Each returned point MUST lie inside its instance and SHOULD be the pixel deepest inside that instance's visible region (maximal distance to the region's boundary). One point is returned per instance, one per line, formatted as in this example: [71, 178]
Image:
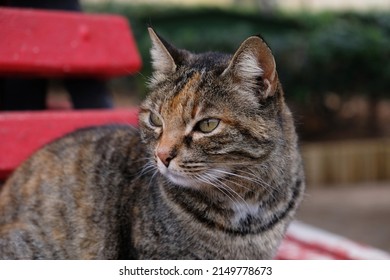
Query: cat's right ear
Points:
[254, 62]
[162, 54]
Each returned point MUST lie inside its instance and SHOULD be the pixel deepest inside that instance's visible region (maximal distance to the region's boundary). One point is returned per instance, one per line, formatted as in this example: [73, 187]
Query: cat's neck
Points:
[233, 210]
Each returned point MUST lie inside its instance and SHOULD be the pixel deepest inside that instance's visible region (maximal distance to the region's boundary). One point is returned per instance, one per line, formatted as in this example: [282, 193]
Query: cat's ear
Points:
[165, 57]
[162, 59]
[253, 66]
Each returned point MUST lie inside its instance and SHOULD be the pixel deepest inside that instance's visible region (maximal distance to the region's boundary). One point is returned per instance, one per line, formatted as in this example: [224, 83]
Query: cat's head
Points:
[209, 115]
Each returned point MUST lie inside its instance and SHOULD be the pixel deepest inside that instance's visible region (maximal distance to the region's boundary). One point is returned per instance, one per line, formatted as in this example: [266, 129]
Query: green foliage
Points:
[315, 53]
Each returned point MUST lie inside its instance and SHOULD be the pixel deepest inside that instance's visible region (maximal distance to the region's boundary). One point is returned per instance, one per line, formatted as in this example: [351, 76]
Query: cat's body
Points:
[213, 173]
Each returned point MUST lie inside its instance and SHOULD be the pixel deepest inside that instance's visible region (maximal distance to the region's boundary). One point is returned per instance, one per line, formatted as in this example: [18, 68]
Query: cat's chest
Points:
[214, 246]
[170, 238]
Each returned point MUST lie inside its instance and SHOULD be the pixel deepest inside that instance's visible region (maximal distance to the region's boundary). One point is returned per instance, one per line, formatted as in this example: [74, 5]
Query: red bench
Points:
[22, 133]
[42, 43]
[56, 43]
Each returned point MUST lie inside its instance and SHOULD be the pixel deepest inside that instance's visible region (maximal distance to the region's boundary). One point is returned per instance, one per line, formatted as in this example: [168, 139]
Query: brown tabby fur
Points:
[169, 190]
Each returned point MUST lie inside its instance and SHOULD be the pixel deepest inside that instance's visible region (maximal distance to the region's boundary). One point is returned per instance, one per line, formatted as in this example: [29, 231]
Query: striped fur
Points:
[175, 189]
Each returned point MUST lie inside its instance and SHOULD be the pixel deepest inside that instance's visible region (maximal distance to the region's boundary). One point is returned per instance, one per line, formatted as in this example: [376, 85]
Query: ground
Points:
[360, 212]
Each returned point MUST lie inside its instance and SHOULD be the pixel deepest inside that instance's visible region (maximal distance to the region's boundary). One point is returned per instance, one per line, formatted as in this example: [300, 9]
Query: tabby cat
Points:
[213, 172]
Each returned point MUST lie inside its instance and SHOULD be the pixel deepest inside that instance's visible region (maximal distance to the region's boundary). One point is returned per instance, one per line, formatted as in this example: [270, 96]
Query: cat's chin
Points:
[181, 180]
[175, 177]
[178, 179]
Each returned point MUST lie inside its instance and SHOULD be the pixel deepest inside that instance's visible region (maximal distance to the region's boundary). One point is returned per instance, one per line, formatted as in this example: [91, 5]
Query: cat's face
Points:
[208, 115]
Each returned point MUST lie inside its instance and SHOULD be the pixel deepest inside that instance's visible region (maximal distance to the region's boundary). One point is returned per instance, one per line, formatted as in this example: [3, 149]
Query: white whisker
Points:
[147, 168]
[221, 189]
[253, 179]
[237, 199]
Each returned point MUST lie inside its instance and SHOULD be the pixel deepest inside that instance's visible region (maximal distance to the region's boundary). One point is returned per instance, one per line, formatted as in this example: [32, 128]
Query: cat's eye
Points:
[207, 125]
[155, 120]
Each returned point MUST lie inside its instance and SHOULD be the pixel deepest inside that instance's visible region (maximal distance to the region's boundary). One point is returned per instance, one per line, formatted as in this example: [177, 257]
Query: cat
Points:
[213, 172]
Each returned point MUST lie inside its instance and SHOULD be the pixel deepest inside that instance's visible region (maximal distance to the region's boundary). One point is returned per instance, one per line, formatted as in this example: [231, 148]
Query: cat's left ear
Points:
[166, 58]
[253, 63]
[162, 60]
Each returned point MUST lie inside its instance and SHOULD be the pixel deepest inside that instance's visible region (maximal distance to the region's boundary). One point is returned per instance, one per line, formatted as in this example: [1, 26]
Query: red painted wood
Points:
[22, 133]
[57, 43]
[306, 242]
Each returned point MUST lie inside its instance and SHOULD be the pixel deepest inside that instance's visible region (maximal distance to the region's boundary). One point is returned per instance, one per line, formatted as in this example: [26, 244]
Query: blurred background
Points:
[333, 58]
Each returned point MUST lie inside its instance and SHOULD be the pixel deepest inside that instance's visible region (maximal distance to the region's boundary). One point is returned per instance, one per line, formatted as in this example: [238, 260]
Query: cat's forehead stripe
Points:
[185, 97]
[188, 88]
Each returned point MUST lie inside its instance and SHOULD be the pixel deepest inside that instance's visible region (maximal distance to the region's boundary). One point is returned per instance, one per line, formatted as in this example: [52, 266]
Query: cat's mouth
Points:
[181, 178]
[177, 177]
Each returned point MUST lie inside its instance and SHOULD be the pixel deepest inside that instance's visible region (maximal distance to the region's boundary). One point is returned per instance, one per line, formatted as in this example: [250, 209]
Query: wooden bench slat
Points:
[58, 43]
[22, 133]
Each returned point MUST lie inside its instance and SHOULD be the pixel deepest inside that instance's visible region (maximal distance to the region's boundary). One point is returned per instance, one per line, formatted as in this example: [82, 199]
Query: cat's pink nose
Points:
[165, 155]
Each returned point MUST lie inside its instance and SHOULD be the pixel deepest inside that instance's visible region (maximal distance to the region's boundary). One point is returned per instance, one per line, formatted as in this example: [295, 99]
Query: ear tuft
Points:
[248, 68]
[253, 62]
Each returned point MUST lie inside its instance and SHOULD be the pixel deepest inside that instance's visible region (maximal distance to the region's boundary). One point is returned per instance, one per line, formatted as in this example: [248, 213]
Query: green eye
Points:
[155, 120]
[208, 125]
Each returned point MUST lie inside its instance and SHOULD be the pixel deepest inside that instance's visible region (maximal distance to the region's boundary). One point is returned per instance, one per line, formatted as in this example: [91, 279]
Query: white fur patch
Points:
[243, 209]
[248, 67]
